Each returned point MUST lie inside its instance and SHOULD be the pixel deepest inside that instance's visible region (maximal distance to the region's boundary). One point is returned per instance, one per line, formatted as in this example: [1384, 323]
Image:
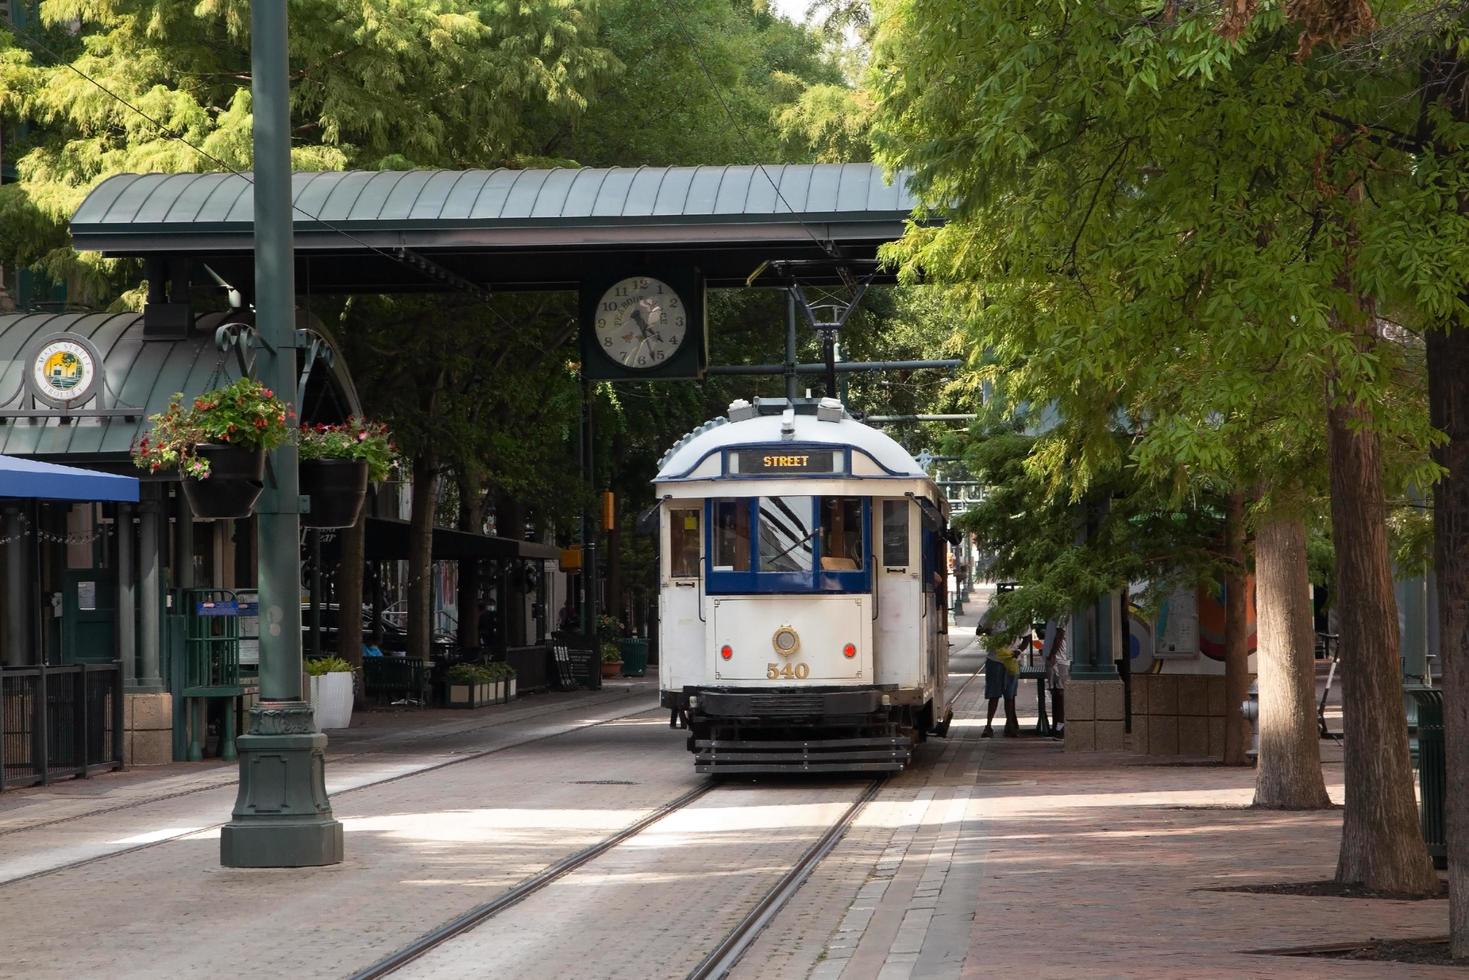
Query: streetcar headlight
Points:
[786, 641]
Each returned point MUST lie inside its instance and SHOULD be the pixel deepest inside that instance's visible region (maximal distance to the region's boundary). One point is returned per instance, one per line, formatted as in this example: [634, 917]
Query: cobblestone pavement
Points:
[989, 857]
[44, 828]
[997, 857]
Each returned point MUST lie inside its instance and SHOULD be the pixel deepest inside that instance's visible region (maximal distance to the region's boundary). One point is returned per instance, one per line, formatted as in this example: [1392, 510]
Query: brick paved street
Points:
[990, 857]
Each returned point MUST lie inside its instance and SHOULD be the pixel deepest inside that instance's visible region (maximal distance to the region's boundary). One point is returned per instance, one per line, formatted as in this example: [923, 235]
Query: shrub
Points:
[355, 439]
[611, 654]
[245, 414]
[327, 665]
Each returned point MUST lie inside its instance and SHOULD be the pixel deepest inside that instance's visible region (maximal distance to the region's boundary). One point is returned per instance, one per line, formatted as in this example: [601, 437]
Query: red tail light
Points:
[849, 651]
[726, 651]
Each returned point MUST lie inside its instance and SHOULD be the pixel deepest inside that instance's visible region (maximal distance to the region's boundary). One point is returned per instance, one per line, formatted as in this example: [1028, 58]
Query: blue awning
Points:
[34, 480]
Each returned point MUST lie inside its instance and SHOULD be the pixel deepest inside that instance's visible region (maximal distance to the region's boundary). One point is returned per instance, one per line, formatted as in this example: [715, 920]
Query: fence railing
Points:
[57, 722]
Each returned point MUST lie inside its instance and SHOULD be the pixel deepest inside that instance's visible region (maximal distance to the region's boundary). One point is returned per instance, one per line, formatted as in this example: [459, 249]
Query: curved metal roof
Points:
[539, 225]
[448, 198]
[139, 373]
[765, 430]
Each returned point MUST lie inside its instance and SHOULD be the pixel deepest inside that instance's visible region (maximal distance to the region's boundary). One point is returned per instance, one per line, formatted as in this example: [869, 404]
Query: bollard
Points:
[1250, 708]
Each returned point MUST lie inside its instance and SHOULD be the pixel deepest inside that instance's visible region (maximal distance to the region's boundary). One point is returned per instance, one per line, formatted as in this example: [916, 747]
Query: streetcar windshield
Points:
[841, 534]
[731, 535]
[787, 534]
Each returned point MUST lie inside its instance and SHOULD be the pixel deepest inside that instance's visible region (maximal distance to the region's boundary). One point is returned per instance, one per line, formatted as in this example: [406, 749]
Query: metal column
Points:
[127, 597]
[282, 817]
[17, 595]
[150, 598]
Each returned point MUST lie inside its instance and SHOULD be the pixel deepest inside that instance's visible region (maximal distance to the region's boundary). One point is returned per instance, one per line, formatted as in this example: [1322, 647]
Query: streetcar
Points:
[802, 612]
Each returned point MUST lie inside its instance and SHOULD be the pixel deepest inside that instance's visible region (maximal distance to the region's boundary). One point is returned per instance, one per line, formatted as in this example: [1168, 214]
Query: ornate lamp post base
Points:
[282, 817]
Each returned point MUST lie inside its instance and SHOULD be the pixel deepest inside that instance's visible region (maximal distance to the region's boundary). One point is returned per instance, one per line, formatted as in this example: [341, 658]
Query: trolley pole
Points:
[282, 817]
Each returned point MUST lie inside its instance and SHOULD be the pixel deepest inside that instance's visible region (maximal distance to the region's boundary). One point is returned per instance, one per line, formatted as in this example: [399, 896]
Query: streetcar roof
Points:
[772, 424]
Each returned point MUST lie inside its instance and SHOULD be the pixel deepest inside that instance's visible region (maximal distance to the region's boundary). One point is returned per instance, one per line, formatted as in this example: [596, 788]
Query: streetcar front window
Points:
[683, 543]
[895, 533]
[731, 535]
[841, 534]
[786, 534]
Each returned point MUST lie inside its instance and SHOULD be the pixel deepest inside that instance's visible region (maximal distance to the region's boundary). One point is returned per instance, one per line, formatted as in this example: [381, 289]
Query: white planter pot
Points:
[499, 690]
[331, 700]
[511, 683]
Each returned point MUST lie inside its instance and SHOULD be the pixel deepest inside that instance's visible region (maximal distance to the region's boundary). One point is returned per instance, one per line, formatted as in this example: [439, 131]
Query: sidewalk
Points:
[422, 736]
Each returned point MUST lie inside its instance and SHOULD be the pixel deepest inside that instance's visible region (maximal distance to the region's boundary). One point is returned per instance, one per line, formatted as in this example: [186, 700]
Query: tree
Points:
[1110, 178]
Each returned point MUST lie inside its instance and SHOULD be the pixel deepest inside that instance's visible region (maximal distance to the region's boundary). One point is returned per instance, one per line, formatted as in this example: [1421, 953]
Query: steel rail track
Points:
[82, 862]
[723, 957]
[475, 916]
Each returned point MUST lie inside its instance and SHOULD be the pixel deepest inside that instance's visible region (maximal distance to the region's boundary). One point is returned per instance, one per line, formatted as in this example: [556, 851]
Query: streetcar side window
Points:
[683, 543]
[787, 534]
[731, 535]
[841, 534]
[895, 533]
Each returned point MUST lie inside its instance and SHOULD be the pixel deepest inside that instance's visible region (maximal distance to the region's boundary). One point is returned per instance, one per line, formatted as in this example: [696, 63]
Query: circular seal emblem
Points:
[64, 370]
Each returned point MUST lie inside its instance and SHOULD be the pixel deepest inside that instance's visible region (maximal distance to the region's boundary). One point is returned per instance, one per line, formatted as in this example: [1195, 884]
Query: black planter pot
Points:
[236, 478]
[337, 488]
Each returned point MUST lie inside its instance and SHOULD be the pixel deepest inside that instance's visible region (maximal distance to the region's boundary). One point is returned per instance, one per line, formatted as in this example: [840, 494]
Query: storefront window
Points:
[731, 535]
[841, 534]
[786, 534]
[683, 543]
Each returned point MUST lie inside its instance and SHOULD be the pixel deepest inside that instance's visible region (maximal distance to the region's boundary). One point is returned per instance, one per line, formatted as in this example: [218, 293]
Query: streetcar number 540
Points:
[787, 672]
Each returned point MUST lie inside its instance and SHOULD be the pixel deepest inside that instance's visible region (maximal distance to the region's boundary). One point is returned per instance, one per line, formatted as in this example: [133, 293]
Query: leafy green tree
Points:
[1127, 190]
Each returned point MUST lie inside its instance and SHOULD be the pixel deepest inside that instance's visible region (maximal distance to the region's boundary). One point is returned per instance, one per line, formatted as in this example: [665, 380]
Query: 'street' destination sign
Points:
[754, 462]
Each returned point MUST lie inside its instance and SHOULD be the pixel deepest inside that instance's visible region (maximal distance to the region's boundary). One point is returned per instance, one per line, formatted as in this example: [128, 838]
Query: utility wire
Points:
[693, 49]
[167, 134]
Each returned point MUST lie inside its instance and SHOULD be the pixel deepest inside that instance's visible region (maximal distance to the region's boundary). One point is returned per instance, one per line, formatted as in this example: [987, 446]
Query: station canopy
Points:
[507, 229]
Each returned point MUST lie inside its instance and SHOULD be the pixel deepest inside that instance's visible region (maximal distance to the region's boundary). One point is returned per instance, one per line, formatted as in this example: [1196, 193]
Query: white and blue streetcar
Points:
[802, 613]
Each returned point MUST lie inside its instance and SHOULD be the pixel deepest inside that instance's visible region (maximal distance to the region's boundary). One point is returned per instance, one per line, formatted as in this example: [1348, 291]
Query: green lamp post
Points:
[282, 817]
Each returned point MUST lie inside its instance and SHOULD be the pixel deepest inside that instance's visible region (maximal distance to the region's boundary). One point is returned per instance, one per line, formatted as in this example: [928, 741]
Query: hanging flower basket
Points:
[235, 481]
[337, 461]
[337, 488]
[217, 445]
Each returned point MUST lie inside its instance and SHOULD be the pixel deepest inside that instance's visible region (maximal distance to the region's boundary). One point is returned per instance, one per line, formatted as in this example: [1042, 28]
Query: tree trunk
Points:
[349, 599]
[1289, 775]
[1236, 632]
[472, 521]
[512, 609]
[1381, 846]
[420, 558]
[1448, 406]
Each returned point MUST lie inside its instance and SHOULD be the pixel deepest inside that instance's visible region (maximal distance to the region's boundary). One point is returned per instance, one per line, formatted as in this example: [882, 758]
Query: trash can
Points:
[1432, 773]
[634, 656]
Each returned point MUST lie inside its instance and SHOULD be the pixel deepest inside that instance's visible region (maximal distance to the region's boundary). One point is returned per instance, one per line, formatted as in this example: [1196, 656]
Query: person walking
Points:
[1058, 669]
[1002, 681]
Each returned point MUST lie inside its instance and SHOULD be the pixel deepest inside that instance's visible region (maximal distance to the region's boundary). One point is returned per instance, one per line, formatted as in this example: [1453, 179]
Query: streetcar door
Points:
[680, 594]
[898, 594]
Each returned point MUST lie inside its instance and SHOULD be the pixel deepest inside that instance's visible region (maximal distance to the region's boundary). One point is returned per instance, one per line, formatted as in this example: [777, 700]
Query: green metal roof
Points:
[140, 373]
[733, 217]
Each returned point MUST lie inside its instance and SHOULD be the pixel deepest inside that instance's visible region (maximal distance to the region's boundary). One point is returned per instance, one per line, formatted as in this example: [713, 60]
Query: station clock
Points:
[644, 324]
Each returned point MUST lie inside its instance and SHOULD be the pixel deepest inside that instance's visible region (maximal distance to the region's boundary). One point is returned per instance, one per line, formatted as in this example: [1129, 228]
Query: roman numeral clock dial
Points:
[641, 323]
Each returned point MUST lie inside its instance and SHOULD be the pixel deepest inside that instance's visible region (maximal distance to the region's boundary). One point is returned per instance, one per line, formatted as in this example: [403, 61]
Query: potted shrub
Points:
[337, 461]
[611, 660]
[469, 686]
[218, 445]
[331, 692]
[507, 672]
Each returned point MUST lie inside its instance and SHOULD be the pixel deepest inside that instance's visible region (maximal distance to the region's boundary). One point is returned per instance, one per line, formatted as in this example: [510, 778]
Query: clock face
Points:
[641, 322]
